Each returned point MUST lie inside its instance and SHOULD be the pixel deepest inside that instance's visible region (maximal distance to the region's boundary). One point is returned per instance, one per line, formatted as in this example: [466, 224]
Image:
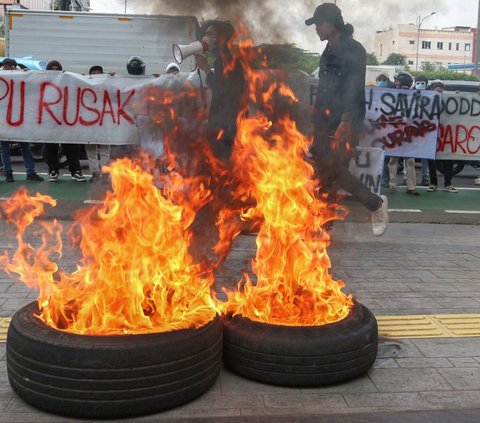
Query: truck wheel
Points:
[301, 355]
[109, 376]
[456, 168]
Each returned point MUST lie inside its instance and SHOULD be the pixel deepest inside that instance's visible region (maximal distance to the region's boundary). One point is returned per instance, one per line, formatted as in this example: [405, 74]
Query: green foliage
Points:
[288, 56]
[446, 74]
[428, 67]
[372, 59]
[395, 59]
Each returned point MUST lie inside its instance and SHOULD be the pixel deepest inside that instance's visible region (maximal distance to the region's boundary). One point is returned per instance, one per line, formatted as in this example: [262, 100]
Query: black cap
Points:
[9, 62]
[421, 78]
[326, 12]
[96, 68]
[53, 63]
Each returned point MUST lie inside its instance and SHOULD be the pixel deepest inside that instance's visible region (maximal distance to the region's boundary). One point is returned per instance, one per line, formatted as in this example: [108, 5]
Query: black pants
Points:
[72, 151]
[447, 167]
[332, 170]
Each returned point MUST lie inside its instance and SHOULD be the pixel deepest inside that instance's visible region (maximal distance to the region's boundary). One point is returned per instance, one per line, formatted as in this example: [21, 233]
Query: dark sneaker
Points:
[34, 176]
[412, 192]
[53, 176]
[78, 177]
[450, 188]
[425, 183]
[9, 178]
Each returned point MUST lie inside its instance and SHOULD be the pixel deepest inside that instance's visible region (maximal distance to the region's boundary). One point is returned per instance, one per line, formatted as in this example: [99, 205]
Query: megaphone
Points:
[182, 51]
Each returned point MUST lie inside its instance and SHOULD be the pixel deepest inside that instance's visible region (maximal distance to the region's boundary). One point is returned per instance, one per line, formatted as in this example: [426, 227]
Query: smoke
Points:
[282, 21]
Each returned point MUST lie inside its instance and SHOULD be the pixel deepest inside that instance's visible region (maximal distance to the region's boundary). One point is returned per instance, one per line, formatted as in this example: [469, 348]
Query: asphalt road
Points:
[438, 207]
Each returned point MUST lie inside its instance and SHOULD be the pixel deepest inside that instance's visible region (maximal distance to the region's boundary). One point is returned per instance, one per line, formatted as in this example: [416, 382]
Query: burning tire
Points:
[109, 376]
[302, 355]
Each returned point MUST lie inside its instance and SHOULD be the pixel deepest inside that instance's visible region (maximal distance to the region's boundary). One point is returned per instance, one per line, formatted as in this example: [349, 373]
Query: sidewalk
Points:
[414, 269]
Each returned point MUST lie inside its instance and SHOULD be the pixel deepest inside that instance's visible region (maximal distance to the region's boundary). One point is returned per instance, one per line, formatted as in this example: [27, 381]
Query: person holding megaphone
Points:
[228, 94]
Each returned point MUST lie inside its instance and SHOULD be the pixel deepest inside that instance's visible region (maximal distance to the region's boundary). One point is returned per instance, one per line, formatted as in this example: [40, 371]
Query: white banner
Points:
[402, 122]
[368, 167]
[65, 107]
[459, 134]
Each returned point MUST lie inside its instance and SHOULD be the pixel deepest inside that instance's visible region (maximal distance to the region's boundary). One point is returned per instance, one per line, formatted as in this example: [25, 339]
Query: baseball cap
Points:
[326, 12]
[96, 68]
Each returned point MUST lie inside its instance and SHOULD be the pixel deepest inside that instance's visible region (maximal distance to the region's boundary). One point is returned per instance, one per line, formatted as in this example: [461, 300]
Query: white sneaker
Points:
[380, 218]
[477, 180]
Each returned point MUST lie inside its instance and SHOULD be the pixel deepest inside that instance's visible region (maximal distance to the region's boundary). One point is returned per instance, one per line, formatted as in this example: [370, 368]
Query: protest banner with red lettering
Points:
[403, 122]
[66, 107]
[459, 134]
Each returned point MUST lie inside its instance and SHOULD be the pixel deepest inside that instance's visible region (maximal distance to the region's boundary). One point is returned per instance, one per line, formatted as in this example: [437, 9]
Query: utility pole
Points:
[477, 43]
[419, 25]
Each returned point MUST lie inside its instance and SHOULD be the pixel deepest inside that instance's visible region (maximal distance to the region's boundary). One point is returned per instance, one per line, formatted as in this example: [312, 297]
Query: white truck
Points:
[374, 71]
[79, 40]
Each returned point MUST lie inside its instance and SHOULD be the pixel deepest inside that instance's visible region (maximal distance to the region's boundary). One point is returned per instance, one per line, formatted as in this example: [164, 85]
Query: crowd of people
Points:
[98, 155]
[404, 80]
[337, 119]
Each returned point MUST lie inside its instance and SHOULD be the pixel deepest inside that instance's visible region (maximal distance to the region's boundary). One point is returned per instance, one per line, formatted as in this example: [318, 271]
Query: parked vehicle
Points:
[82, 39]
[462, 86]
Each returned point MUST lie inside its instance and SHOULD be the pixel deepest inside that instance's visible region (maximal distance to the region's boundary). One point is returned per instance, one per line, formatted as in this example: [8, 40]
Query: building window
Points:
[393, 42]
[440, 46]
[381, 50]
[458, 46]
[412, 42]
[449, 46]
[426, 45]
[410, 62]
[467, 47]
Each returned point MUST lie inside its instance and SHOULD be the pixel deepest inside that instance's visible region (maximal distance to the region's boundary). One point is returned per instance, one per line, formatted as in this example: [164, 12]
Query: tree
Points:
[372, 59]
[428, 67]
[446, 74]
[396, 59]
[288, 56]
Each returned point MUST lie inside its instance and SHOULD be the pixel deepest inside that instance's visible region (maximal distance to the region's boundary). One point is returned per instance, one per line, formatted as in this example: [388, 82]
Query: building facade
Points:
[440, 47]
[74, 5]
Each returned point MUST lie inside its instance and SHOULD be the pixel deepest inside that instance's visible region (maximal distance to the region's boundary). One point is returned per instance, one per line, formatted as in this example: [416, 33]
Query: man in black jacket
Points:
[227, 86]
[340, 109]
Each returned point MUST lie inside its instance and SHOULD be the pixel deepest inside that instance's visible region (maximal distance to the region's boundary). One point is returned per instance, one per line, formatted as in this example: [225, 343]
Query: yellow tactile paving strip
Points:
[412, 326]
[429, 326]
[4, 322]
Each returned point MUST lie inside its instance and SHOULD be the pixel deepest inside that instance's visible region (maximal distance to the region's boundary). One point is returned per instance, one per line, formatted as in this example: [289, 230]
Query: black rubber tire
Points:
[301, 355]
[456, 168]
[109, 376]
[475, 164]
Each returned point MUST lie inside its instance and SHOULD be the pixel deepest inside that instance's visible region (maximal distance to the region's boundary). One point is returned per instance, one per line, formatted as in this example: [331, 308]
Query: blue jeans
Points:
[26, 153]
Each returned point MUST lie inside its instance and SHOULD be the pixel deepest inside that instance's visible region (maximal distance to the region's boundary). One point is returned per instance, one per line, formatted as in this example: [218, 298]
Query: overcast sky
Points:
[281, 21]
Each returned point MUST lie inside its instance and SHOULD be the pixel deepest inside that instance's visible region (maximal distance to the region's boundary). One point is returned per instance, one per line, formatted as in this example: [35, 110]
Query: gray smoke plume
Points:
[282, 21]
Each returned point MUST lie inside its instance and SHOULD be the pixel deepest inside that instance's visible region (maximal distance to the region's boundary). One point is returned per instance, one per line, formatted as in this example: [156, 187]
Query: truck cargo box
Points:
[79, 40]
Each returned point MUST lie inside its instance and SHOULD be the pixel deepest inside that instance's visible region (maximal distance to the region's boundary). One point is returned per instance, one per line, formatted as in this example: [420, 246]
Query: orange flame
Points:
[135, 274]
[293, 286]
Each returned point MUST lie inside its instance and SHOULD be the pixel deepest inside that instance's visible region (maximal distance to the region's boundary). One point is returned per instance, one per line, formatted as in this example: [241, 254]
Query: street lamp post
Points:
[419, 25]
[477, 43]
